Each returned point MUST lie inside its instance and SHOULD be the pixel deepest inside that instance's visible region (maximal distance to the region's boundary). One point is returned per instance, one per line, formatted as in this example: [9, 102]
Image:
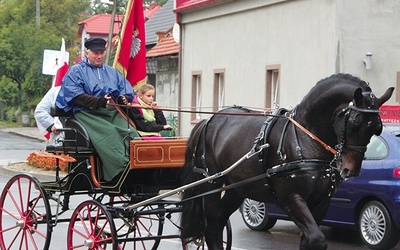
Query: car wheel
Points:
[376, 227]
[255, 215]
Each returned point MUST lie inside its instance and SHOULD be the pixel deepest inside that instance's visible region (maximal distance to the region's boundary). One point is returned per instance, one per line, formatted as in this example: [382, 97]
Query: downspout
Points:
[178, 21]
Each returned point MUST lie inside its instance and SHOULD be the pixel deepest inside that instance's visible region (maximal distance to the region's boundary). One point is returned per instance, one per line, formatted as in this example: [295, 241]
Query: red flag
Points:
[64, 66]
[60, 74]
[130, 58]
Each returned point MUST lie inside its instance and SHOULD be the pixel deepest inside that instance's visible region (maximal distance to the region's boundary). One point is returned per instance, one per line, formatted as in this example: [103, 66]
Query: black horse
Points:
[311, 148]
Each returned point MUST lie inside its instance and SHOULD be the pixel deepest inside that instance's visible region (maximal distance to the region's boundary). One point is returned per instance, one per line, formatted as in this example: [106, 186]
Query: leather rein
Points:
[291, 119]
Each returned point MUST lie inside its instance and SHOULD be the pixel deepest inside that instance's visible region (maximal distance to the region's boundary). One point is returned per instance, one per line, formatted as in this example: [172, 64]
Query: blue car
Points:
[369, 203]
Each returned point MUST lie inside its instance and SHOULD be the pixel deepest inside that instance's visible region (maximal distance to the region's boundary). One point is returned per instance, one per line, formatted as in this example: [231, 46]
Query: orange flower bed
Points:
[46, 162]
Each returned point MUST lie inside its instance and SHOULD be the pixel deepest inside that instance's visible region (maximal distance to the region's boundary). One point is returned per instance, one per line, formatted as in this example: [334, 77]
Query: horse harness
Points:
[300, 164]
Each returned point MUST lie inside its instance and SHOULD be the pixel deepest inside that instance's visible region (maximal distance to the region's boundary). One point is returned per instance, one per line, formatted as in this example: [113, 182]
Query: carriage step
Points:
[63, 157]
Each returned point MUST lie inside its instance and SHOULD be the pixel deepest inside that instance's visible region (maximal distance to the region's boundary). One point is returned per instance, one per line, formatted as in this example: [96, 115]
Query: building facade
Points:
[269, 53]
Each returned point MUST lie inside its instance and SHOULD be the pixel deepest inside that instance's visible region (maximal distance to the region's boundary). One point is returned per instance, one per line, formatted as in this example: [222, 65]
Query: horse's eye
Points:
[369, 124]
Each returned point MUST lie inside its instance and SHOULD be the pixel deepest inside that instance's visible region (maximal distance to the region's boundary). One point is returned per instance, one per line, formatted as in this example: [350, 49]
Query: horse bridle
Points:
[349, 124]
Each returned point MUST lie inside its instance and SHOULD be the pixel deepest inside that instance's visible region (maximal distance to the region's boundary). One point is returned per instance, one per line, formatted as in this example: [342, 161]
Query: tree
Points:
[104, 6]
[146, 3]
[101, 6]
[22, 45]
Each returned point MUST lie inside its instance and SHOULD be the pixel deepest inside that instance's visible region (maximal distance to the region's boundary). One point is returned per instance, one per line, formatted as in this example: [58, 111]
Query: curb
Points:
[6, 171]
[20, 132]
[27, 136]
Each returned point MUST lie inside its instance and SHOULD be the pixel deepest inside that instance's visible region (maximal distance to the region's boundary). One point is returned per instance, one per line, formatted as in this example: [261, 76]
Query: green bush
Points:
[12, 114]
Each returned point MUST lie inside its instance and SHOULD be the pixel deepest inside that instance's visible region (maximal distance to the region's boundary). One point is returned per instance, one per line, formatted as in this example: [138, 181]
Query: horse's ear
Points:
[358, 97]
[385, 96]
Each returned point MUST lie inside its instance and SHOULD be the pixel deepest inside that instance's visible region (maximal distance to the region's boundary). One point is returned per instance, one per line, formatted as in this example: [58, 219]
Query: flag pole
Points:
[126, 17]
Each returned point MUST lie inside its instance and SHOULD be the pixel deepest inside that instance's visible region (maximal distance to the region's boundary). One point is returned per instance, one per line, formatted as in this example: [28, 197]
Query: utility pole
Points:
[38, 14]
[111, 32]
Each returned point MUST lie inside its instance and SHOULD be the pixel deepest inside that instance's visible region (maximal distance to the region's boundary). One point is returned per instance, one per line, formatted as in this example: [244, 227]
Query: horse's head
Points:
[354, 126]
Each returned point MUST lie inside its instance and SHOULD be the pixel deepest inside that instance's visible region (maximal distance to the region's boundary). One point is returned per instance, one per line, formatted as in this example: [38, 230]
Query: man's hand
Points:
[108, 97]
[124, 100]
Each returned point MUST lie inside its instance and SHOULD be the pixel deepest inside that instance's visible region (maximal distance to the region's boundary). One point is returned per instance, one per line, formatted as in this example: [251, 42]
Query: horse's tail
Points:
[192, 219]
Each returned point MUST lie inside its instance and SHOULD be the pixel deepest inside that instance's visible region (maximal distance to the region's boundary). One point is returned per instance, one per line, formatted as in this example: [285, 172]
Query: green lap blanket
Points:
[109, 133]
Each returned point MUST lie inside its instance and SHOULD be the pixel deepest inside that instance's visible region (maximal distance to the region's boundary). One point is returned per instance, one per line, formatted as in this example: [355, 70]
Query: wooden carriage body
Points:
[154, 164]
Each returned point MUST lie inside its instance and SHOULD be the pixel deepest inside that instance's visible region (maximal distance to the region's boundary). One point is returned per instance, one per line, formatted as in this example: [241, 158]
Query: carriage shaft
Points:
[199, 182]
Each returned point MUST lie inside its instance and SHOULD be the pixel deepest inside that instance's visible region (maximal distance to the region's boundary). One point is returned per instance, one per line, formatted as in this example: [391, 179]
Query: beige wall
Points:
[370, 26]
[309, 39]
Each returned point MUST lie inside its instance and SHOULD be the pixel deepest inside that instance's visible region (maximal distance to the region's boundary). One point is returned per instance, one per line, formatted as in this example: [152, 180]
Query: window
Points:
[196, 95]
[272, 88]
[377, 148]
[219, 89]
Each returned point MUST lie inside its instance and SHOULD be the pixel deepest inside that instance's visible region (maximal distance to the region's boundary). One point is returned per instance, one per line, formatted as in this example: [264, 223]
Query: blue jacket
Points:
[84, 78]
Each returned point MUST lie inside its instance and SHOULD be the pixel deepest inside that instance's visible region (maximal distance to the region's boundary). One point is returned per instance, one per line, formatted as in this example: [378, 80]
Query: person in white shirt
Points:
[46, 123]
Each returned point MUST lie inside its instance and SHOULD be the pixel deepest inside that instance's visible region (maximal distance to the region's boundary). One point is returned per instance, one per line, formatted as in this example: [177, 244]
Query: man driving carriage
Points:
[86, 91]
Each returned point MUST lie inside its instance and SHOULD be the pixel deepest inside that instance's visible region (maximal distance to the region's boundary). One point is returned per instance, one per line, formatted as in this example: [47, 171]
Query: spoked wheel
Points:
[91, 227]
[25, 214]
[140, 230]
[376, 226]
[201, 243]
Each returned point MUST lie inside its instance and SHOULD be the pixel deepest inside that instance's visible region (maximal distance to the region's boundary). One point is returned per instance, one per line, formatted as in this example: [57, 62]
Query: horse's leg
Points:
[217, 211]
[312, 236]
[319, 213]
[212, 210]
[230, 203]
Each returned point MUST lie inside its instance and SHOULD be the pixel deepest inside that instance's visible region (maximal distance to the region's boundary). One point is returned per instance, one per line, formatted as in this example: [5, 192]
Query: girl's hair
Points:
[145, 88]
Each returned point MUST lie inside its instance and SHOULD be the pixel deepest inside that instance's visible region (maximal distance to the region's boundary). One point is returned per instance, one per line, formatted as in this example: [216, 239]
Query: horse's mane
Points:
[333, 89]
[344, 78]
[235, 108]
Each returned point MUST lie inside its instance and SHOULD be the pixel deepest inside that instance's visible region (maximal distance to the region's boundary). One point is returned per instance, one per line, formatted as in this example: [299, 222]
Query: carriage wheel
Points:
[201, 243]
[91, 227]
[138, 231]
[25, 214]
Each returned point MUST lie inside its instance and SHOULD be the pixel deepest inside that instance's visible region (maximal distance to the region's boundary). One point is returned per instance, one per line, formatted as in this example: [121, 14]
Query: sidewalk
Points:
[30, 132]
[14, 168]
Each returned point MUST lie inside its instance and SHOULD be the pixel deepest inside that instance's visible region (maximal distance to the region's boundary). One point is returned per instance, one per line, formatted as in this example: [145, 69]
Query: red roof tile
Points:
[100, 25]
[166, 45]
[150, 12]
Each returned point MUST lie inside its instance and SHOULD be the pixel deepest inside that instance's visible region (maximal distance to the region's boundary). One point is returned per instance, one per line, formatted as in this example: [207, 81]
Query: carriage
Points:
[30, 209]
[40, 206]
[296, 167]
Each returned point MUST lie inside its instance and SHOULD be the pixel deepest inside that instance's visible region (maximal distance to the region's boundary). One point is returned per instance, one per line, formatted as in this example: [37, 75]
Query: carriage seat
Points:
[76, 138]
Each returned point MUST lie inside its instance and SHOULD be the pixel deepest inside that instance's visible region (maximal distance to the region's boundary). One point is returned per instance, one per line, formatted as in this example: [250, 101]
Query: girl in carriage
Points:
[149, 120]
